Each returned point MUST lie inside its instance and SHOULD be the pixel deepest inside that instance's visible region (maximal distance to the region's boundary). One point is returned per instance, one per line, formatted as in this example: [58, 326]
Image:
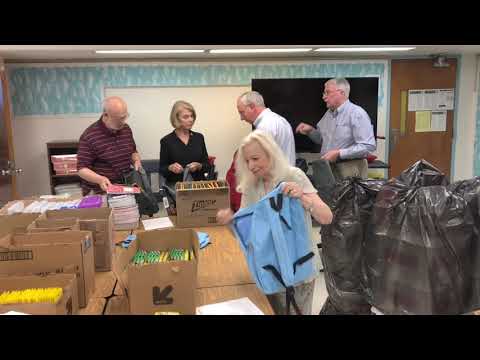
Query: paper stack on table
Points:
[157, 223]
[242, 306]
[125, 211]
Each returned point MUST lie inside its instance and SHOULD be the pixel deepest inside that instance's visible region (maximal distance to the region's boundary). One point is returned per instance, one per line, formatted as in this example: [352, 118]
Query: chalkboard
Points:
[300, 100]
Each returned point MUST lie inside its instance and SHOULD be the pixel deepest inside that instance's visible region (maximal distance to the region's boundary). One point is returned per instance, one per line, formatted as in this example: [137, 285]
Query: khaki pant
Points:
[344, 169]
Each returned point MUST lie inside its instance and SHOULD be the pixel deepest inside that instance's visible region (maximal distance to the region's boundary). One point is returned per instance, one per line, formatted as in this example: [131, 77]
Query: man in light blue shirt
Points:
[251, 107]
[345, 132]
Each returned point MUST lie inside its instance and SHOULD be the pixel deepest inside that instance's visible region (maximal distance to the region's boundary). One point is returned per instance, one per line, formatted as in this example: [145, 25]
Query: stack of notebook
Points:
[125, 211]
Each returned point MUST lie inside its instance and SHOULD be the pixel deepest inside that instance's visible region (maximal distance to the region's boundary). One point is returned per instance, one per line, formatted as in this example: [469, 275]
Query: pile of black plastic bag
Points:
[409, 245]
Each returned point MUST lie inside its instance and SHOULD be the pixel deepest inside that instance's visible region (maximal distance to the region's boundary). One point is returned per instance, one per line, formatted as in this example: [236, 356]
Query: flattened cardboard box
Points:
[16, 224]
[167, 286]
[42, 224]
[58, 252]
[198, 202]
[100, 222]
[67, 304]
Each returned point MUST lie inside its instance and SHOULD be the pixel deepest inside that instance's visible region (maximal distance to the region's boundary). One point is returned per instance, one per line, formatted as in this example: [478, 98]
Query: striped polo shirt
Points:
[105, 151]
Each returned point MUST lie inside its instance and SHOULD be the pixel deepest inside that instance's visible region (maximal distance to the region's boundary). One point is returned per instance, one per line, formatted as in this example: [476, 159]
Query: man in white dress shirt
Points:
[251, 107]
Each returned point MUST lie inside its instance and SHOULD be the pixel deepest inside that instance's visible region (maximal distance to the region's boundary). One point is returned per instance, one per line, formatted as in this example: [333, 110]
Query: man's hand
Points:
[176, 168]
[331, 155]
[104, 183]
[224, 216]
[194, 166]
[137, 164]
[304, 129]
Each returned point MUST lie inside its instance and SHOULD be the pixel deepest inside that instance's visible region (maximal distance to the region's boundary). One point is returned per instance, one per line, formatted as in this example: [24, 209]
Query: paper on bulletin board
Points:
[445, 99]
[439, 121]
[431, 99]
[415, 100]
[423, 121]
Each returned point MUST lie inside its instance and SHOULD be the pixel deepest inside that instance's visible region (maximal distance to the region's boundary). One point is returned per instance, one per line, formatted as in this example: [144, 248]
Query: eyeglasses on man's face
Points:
[330, 92]
[123, 117]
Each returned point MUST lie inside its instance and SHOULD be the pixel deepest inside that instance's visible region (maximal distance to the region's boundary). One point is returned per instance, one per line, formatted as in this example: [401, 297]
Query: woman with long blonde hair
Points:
[260, 167]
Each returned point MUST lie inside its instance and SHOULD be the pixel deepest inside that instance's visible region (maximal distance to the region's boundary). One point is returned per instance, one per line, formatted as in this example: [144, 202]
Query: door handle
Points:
[394, 137]
[8, 172]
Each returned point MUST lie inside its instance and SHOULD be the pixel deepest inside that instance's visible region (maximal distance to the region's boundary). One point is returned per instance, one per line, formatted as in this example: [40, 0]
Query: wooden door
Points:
[407, 148]
[8, 171]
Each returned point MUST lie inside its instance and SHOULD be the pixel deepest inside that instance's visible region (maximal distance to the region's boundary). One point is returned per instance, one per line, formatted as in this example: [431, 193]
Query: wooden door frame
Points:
[7, 113]
[458, 59]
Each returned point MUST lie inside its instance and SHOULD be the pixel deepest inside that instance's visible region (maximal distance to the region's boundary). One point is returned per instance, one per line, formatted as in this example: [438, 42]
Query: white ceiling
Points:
[26, 53]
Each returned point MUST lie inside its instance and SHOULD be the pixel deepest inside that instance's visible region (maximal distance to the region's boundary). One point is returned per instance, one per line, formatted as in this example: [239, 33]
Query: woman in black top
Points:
[183, 148]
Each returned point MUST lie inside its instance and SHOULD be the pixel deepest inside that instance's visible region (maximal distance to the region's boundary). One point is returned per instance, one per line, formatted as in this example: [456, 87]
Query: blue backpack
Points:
[274, 238]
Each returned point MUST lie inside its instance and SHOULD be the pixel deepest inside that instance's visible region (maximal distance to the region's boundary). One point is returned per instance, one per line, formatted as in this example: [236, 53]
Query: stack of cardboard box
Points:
[39, 253]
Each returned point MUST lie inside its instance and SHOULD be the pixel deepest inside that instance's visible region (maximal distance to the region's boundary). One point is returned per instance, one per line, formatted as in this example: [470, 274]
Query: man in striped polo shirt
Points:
[106, 148]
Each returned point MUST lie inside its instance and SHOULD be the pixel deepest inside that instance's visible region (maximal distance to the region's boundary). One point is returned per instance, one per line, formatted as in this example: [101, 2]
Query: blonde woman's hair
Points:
[177, 107]
[279, 165]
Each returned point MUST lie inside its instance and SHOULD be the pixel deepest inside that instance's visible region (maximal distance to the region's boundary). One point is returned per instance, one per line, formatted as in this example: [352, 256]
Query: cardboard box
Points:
[100, 222]
[117, 305]
[198, 202]
[67, 305]
[42, 224]
[167, 286]
[95, 306]
[16, 224]
[58, 252]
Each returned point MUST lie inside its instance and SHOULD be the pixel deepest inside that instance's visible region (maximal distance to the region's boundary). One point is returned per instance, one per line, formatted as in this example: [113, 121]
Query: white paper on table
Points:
[157, 223]
[16, 208]
[242, 306]
[438, 121]
[11, 312]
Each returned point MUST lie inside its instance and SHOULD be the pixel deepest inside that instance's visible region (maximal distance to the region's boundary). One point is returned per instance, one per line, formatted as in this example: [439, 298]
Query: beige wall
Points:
[30, 135]
[464, 138]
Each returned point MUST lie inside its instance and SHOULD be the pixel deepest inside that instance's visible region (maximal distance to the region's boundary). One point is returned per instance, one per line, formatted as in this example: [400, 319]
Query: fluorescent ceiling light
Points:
[253, 51]
[363, 49]
[152, 51]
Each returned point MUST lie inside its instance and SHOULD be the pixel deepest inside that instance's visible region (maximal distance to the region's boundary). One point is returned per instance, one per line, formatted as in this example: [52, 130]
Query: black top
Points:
[173, 150]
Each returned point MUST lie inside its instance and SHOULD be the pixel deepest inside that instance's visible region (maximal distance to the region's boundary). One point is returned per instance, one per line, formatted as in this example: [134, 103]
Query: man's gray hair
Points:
[342, 84]
[252, 97]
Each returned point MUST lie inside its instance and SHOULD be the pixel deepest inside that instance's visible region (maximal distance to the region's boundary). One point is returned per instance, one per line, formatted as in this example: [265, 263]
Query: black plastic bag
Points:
[169, 200]
[323, 180]
[418, 253]
[422, 173]
[342, 245]
[469, 190]
[302, 164]
[146, 200]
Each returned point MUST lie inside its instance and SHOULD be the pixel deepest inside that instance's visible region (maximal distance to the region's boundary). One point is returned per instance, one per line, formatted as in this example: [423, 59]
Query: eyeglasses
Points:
[327, 93]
